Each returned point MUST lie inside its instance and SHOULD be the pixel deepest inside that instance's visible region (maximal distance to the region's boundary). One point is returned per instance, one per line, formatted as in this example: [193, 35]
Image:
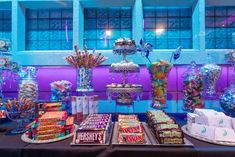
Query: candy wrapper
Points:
[61, 90]
[159, 74]
[211, 74]
[227, 101]
[130, 130]
[2, 114]
[193, 88]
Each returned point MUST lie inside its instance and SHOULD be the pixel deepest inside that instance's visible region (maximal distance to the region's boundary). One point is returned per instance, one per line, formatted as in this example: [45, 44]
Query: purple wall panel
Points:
[180, 71]
[102, 77]
[223, 79]
[172, 79]
[48, 75]
[10, 86]
[231, 75]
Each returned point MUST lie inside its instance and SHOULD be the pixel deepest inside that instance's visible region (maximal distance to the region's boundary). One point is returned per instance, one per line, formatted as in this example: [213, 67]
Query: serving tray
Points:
[155, 142]
[185, 130]
[25, 138]
[115, 138]
[95, 144]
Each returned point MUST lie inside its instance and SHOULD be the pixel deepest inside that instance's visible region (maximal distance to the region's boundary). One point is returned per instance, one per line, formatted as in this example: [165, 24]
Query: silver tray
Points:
[155, 142]
[124, 69]
[115, 138]
[185, 130]
[125, 90]
[95, 144]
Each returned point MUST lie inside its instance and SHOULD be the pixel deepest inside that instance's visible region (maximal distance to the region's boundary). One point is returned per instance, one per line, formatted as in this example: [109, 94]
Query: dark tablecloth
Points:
[12, 146]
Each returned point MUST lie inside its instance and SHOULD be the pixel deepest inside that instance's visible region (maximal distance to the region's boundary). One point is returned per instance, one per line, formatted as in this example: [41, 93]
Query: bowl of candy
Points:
[21, 112]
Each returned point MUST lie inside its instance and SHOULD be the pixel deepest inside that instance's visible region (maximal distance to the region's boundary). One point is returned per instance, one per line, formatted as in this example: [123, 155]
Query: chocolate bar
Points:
[165, 128]
[130, 130]
[95, 129]
[53, 116]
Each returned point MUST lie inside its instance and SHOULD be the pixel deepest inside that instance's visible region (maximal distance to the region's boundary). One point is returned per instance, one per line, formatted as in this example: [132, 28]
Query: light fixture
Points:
[108, 33]
[159, 31]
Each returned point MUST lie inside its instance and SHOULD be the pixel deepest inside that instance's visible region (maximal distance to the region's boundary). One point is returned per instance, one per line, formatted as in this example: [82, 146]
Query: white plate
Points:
[25, 138]
[185, 130]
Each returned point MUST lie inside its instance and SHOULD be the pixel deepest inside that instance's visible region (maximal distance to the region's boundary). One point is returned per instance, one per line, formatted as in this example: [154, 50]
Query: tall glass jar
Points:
[211, 73]
[84, 80]
[227, 101]
[192, 88]
[28, 85]
[159, 75]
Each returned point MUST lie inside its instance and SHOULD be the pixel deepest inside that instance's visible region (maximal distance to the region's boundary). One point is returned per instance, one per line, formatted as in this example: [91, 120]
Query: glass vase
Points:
[84, 80]
[159, 75]
[192, 88]
[28, 85]
[211, 74]
[227, 101]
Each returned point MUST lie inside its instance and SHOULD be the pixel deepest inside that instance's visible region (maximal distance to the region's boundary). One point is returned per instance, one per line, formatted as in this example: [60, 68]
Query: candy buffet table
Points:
[12, 146]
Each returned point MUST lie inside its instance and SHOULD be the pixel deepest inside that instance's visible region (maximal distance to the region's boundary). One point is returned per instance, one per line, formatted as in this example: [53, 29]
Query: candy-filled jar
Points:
[192, 88]
[159, 75]
[227, 101]
[28, 85]
[61, 90]
[211, 73]
[84, 80]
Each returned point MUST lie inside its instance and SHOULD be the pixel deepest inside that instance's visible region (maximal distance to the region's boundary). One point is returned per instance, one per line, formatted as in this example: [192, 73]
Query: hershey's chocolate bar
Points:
[88, 137]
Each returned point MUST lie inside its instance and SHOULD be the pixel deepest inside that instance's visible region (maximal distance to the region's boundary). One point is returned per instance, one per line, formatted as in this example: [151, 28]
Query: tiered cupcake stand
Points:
[124, 93]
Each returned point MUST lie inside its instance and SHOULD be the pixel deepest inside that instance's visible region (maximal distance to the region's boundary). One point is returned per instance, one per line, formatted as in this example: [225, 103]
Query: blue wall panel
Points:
[98, 21]
[46, 29]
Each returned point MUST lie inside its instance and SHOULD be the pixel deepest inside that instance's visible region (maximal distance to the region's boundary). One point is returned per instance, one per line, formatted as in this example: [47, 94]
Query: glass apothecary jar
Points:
[193, 88]
[28, 85]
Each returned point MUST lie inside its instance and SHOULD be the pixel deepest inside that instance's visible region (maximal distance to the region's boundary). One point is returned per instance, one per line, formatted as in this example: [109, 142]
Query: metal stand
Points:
[124, 94]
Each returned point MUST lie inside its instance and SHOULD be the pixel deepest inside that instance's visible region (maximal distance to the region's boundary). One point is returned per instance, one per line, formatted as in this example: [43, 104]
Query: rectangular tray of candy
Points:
[107, 141]
[115, 138]
[155, 142]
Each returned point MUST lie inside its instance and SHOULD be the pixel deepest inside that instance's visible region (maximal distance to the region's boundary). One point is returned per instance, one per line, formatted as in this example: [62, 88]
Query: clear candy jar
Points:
[211, 73]
[227, 101]
[192, 88]
[28, 85]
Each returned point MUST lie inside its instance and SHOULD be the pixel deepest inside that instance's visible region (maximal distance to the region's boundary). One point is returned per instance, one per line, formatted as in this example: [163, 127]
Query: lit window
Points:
[104, 26]
[49, 29]
[220, 26]
[168, 28]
